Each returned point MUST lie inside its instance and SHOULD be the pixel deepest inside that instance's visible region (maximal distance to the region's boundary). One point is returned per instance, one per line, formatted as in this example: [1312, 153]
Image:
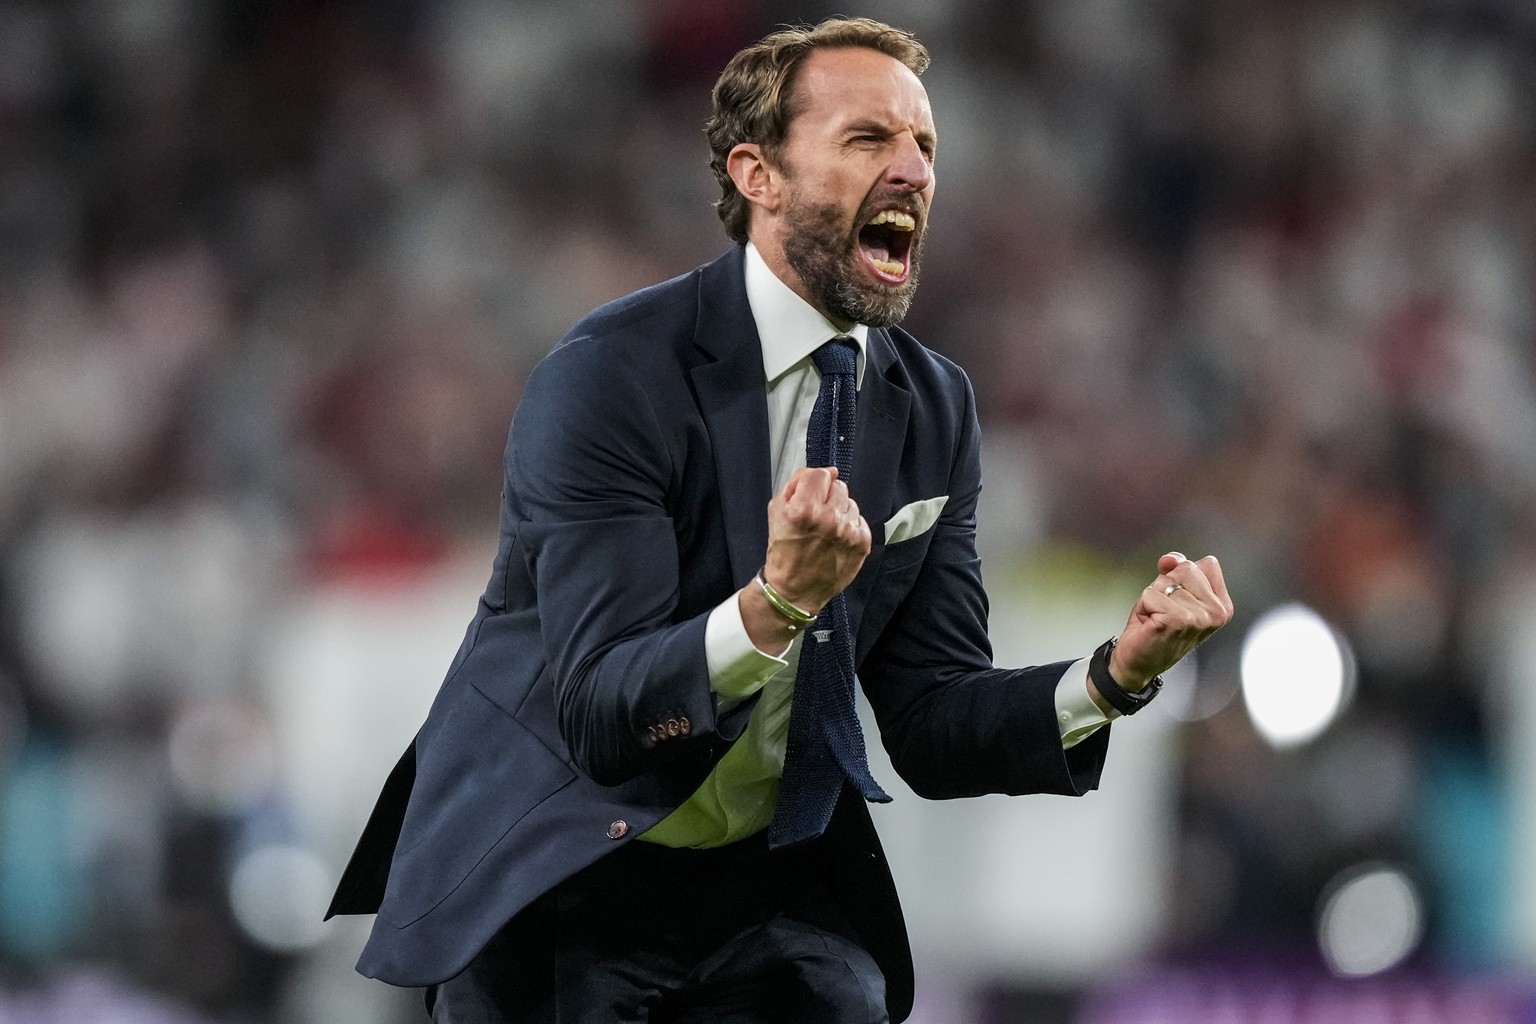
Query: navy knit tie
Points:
[826, 744]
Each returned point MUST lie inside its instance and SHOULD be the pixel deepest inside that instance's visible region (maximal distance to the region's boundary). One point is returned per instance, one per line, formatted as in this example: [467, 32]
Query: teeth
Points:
[888, 266]
[896, 219]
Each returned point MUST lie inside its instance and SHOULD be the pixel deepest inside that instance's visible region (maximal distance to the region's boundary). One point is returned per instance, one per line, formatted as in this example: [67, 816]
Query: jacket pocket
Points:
[482, 773]
[900, 555]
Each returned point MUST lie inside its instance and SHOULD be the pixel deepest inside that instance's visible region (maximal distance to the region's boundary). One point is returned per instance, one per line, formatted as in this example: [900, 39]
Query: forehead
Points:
[836, 87]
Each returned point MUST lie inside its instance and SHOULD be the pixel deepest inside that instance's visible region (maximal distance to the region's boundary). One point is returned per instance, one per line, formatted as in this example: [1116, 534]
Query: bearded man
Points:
[640, 794]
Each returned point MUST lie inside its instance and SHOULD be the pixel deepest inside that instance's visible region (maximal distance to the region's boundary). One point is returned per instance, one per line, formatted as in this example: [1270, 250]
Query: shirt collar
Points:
[789, 327]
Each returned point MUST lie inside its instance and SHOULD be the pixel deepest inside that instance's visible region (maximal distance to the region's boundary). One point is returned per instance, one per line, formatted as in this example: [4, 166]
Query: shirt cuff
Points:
[1076, 713]
[737, 669]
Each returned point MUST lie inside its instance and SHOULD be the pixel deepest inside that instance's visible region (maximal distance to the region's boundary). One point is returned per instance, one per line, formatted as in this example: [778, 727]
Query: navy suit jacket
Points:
[637, 485]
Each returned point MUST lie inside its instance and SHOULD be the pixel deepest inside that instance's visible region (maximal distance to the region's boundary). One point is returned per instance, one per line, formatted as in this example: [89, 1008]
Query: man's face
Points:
[857, 166]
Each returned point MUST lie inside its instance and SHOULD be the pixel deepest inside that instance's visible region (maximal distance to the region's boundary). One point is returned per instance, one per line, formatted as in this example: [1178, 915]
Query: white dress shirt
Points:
[790, 330]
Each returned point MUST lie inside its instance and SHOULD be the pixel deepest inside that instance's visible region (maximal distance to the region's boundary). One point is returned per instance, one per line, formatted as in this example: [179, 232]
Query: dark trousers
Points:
[739, 935]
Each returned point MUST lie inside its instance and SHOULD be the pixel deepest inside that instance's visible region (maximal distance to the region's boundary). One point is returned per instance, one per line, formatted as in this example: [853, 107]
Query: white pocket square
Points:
[914, 519]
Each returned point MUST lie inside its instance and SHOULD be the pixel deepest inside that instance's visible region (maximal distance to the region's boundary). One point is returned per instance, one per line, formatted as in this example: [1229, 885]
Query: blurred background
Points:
[1250, 277]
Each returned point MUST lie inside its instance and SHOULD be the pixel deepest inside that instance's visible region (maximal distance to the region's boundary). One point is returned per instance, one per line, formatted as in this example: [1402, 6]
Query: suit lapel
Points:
[882, 426]
[735, 409]
[882, 429]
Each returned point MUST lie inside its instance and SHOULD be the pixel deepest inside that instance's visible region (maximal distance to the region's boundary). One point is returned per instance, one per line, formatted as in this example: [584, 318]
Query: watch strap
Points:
[1122, 700]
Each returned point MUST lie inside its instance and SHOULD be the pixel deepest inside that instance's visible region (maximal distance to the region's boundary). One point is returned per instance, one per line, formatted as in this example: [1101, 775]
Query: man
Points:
[640, 794]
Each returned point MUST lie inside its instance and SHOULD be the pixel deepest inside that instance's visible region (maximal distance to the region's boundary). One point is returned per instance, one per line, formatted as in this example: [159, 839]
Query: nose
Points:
[910, 166]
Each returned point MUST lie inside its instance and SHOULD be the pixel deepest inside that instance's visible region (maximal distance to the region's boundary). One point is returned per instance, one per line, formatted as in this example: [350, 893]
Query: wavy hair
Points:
[754, 99]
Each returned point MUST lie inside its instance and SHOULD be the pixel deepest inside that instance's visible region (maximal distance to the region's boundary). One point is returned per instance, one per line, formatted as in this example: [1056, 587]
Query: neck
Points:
[769, 247]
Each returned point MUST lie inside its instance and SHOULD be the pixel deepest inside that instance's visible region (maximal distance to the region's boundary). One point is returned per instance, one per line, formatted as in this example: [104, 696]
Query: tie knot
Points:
[839, 355]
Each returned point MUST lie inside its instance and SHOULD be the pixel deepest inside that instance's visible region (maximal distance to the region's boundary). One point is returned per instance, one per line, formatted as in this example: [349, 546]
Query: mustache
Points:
[893, 199]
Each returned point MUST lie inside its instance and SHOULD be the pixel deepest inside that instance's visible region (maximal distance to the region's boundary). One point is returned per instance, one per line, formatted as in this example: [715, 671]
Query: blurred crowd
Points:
[1251, 275]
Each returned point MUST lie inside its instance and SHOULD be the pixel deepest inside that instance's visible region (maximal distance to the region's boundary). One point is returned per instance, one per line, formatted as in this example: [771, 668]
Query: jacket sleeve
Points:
[590, 475]
[954, 724]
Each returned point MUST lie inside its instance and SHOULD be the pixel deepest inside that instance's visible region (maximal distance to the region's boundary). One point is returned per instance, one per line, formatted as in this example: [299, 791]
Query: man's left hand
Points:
[1175, 614]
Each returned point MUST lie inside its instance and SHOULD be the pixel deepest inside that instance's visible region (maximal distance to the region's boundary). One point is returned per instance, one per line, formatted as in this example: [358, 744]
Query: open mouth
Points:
[885, 242]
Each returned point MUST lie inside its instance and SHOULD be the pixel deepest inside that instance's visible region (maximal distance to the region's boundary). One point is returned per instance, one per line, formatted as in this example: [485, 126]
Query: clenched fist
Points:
[1178, 610]
[817, 542]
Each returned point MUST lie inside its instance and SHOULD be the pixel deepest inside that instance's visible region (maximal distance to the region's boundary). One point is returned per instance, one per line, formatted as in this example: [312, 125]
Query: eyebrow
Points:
[924, 136]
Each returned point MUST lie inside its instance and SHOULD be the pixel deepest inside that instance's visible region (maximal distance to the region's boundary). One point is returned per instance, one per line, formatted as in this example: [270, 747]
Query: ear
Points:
[758, 181]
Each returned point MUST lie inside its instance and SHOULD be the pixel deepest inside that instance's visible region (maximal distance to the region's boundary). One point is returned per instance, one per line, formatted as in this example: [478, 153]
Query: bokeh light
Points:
[221, 755]
[276, 893]
[1296, 675]
[1371, 919]
[1192, 694]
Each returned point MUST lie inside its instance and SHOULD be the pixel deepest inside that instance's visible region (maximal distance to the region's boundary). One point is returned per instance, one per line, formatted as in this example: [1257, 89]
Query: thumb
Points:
[1170, 561]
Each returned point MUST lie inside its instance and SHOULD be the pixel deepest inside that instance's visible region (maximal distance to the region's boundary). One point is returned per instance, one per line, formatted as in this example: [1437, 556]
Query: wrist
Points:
[767, 633]
[795, 617]
[1127, 680]
[1122, 699]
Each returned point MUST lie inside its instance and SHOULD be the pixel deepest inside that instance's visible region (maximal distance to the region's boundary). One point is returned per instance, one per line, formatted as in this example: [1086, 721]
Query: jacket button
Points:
[619, 829]
[673, 727]
[683, 726]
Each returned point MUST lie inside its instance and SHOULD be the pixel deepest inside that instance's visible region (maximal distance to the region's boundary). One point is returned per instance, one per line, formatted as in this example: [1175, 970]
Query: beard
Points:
[826, 257]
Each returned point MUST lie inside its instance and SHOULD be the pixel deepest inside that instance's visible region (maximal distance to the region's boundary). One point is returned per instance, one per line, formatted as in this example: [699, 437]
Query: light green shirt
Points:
[738, 797]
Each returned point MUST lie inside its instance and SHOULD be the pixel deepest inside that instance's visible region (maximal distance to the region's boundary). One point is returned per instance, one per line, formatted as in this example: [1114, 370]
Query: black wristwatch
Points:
[1122, 700]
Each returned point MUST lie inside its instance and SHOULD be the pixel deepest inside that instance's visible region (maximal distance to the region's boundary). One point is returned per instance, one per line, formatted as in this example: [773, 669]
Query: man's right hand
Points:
[817, 542]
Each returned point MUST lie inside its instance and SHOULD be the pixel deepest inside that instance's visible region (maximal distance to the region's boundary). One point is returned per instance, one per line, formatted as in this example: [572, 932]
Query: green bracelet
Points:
[798, 618]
